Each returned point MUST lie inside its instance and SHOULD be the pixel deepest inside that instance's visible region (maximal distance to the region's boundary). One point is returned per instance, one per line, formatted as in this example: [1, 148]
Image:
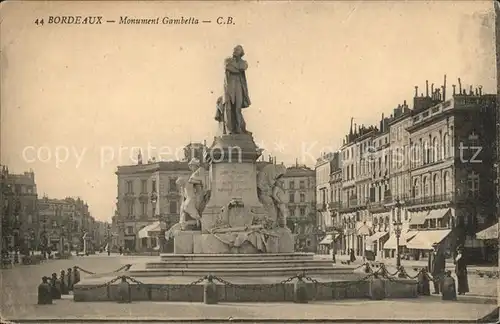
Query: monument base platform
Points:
[187, 242]
[239, 289]
[244, 277]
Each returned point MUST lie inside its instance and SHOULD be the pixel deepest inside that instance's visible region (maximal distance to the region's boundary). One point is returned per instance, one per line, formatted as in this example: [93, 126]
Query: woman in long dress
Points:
[461, 272]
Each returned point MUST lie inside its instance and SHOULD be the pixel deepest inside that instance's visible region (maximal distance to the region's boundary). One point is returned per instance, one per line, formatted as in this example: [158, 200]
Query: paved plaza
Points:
[19, 297]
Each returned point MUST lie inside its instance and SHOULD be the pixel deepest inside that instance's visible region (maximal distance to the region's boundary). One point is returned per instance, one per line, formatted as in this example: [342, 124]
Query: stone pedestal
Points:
[184, 242]
[232, 176]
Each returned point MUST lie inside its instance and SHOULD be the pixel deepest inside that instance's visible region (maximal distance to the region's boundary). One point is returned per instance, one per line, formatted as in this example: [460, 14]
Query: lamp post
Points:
[397, 230]
[154, 200]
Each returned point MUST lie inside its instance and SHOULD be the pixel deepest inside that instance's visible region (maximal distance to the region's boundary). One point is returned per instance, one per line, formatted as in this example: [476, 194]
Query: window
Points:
[473, 140]
[302, 197]
[291, 197]
[426, 187]
[130, 208]
[302, 184]
[130, 187]
[292, 185]
[446, 182]
[435, 185]
[144, 186]
[416, 188]
[172, 185]
[302, 211]
[446, 146]
[473, 184]
[144, 209]
[292, 212]
[153, 186]
[172, 207]
[436, 150]
[130, 230]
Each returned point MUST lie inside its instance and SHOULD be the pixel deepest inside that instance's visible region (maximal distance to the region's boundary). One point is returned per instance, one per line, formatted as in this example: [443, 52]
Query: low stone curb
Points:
[234, 320]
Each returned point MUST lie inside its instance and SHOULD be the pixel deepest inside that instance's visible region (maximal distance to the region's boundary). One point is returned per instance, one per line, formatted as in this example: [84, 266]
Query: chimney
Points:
[426, 88]
[416, 91]
[432, 89]
[459, 86]
[470, 91]
[444, 88]
[382, 123]
[454, 89]
[480, 90]
[477, 92]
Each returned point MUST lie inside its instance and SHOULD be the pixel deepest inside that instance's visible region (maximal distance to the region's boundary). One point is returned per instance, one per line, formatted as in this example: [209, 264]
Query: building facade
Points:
[64, 222]
[20, 224]
[147, 193]
[427, 172]
[300, 192]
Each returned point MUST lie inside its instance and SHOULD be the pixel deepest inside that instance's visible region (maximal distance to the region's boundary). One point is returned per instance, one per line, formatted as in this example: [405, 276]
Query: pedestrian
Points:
[70, 279]
[461, 271]
[352, 257]
[76, 275]
[121, 250]
[55, 287]
[64, 288]
[437, 265]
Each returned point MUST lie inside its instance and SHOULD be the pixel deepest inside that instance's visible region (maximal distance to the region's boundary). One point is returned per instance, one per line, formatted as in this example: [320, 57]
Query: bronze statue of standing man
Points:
[236, 95]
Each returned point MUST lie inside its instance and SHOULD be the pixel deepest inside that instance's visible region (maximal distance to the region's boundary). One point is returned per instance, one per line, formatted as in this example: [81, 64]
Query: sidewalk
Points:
[425, 309]
[406, 263]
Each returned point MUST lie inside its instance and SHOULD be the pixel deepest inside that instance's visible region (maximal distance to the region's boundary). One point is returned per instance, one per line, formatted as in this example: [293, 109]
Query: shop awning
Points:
[437, 213]
[403, 239]
[425, 239]
[377, 236]
[327, 240]
[149, 230]
[491, 233]
[418, 218]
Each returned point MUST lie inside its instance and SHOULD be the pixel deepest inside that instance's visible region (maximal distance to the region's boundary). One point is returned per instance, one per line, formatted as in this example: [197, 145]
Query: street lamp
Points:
[397, 230]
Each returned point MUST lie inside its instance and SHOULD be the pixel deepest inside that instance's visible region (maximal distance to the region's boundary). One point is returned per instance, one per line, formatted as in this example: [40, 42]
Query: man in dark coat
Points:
[437, 265]
[461, 271]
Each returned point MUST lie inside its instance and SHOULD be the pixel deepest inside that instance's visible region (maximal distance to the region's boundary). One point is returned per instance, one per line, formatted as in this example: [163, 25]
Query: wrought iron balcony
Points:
[447, 197]
[334, 205]
[321, 207]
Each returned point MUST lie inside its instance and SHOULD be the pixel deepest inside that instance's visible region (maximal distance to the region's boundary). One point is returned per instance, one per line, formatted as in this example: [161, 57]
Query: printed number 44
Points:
[39, 21]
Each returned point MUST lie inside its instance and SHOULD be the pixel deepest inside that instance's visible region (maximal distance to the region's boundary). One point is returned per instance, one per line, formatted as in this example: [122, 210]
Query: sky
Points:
[79, 100]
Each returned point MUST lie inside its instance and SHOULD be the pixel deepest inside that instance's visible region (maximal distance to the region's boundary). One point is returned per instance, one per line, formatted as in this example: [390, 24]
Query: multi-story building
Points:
[300, 192]
[64, 222]
[323, 195]
[451, 167]
[20, 224]
[148, 195]
[427, 170]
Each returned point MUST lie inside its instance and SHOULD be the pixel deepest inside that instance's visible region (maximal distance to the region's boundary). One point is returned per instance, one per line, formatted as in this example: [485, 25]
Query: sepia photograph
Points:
[249, 161]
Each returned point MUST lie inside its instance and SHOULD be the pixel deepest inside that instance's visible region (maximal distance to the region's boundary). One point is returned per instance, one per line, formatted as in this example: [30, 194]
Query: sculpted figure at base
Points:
[199, 181]
[236, 95]
[266, 181]
[189, 215]
[278, 196]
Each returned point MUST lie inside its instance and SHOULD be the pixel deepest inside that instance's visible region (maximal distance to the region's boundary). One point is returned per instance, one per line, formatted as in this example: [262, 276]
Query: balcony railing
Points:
[334, 205]
[321, 207]
[447, 197]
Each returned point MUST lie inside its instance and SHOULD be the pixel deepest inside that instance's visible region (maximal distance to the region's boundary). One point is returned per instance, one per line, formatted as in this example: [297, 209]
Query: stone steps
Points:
[242, 272]
[237, 257]
[222, 264]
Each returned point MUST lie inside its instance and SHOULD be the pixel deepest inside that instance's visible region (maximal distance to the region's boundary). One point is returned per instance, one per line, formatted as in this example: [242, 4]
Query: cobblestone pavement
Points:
[19, 297]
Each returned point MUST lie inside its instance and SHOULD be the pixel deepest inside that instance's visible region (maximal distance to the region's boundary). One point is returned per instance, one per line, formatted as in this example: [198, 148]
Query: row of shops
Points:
[414, 243]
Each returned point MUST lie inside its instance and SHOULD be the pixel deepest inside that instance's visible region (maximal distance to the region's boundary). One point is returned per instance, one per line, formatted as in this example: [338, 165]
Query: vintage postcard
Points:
[243, 161]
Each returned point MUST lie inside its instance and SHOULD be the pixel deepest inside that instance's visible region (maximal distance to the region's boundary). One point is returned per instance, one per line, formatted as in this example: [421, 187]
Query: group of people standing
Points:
[437, 268]
[64, 284]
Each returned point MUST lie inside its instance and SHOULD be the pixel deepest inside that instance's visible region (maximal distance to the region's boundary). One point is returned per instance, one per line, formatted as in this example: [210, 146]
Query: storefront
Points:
[150, 236]
[422, 243]
[404, 239]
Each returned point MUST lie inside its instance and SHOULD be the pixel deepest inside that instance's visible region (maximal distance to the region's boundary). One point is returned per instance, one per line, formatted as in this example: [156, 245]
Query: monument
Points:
[239, 210]
[232, 224]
